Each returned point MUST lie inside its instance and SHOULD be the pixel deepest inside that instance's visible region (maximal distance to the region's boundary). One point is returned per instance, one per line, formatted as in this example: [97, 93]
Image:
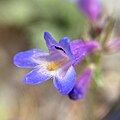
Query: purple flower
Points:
[81, 85]
[56, 64]
[80, 49]
[90, 8]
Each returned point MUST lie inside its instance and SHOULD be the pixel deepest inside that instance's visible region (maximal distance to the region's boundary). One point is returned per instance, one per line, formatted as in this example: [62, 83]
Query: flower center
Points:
[53, 66]
[56, 65]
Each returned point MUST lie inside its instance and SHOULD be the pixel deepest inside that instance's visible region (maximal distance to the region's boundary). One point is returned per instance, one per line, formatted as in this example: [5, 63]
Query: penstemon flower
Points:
[56, 64]
[90, 8]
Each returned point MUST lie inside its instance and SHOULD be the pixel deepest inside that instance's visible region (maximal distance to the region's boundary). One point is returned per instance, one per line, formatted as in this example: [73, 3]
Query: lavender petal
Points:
[28, 59]
[64, 84]
[37, 76]
[81, 85]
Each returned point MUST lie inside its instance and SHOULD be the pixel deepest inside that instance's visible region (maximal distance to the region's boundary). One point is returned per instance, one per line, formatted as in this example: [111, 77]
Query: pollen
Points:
[53, 66]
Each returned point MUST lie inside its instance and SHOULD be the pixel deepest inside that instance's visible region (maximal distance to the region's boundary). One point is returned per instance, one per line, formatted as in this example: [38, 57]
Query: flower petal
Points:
[50, 42]
[81, 84]
[29, 59]
[65, 43]
[37, 76]
[59, 50]
[78, 48]
[64, 84]
[56, 55]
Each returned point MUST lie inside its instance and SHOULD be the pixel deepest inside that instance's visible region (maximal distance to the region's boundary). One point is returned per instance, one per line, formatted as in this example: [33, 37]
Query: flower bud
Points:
[113, 45]
[90, 8]
[81, 85]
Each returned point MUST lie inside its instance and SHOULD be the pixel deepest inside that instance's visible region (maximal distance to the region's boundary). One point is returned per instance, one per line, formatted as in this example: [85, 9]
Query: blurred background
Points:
[22, 25]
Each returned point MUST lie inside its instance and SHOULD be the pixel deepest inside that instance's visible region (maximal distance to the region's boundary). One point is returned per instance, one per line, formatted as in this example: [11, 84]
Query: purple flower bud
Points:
[113, 45]
[81, 85]
[90, 8]
[92, 46]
